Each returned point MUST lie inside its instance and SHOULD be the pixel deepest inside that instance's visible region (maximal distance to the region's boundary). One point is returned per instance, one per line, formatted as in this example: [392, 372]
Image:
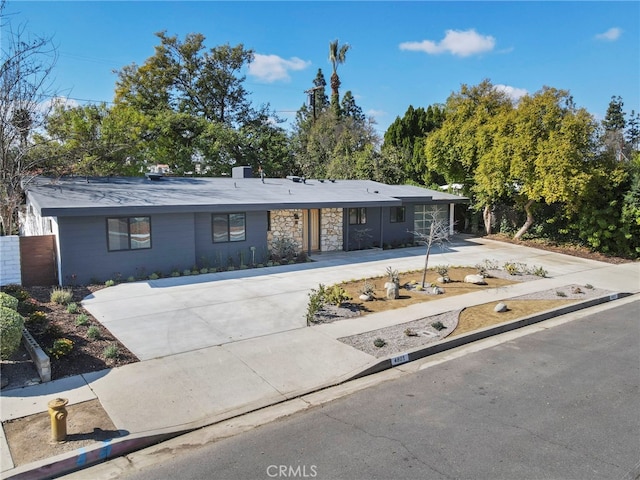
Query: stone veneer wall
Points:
[285, 225]
[331, 229]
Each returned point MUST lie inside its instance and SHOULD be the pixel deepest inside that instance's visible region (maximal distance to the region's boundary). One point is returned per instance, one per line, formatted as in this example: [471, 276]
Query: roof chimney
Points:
[241, 172]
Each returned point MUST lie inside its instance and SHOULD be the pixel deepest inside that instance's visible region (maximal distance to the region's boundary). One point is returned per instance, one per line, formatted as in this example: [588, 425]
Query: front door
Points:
[311, 229]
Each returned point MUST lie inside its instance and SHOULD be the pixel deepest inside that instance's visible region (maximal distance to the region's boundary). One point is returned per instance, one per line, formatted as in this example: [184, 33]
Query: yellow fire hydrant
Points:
[58, 414]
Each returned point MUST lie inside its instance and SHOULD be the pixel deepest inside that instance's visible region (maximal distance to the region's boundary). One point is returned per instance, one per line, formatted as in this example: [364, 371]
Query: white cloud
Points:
[455, 42]
[610, 35]
[513, 93]
[271, 68]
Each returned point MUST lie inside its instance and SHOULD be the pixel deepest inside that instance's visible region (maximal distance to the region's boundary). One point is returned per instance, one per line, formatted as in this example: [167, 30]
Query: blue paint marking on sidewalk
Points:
[105, 451]
[82, 457]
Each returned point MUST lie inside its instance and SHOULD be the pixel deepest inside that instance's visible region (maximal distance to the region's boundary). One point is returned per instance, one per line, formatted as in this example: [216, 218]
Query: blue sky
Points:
[402, 53]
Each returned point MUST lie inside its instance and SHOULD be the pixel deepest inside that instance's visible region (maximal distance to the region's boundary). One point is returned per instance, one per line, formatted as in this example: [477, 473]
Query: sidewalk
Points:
[259, 352]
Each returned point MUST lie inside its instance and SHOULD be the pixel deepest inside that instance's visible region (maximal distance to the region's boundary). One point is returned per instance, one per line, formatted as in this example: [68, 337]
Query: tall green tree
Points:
[407, 136]
[199, 114]
[553, 152]
[614, 128]
[337, 56]
[454, 150]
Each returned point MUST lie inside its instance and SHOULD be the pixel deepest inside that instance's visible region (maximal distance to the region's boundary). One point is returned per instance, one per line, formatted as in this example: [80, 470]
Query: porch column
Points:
[451, 217]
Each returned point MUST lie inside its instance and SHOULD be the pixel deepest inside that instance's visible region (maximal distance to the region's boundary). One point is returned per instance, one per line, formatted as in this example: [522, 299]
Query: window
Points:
[132, 233]
[357, 216]
[397, 214]
[228, 227]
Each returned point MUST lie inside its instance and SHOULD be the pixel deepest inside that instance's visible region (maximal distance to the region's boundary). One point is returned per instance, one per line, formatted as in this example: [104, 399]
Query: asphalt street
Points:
[561, 403]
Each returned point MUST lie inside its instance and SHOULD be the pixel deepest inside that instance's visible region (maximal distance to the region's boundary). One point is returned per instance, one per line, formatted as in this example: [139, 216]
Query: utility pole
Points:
[312, 99]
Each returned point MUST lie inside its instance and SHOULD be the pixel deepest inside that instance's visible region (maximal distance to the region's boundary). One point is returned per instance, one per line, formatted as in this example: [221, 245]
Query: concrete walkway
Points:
[223, 344]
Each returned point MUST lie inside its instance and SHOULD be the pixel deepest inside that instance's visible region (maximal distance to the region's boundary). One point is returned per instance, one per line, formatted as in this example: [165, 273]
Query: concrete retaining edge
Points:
[41, 360]
[101, 452]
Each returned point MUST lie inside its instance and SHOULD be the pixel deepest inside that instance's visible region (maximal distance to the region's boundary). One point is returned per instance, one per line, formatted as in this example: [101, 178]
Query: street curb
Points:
[100, 452]
[448, 344]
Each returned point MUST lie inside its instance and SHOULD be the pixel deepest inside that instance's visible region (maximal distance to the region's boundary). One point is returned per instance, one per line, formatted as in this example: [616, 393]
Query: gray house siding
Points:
[209, 254]
[85, 257]
[365, 235]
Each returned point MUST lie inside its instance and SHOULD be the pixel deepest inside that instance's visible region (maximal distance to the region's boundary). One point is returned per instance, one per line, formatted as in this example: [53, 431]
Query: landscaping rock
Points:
[501, 307]
[392, 290]
[365, 298]
[437, 290]
[475, 279]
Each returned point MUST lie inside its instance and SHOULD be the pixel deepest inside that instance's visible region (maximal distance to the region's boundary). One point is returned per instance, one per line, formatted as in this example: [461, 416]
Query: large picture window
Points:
[128, 233]
[357, 216]
[228, 227]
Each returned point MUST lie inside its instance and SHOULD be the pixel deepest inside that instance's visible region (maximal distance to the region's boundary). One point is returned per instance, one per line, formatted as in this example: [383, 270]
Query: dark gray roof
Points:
[75, 196]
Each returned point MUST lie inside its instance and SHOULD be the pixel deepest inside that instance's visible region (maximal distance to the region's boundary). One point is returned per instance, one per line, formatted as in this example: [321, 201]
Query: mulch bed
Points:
[87, 355]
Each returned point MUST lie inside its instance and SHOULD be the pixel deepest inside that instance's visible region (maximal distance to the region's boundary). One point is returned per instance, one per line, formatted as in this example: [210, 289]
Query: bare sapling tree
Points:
[25, 97]
[436, 234]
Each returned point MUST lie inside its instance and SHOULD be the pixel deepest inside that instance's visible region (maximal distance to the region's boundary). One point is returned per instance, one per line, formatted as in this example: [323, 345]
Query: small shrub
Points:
[61, 296]
[204, 270]
[175, 273]
[73, 308]
[82, 320]
[317, 299]
[393, 275]
[16, 291]
[53, 330]
[438, 325]
[186, 272]
[11, 323]
[93, 333]
[443, 270]
[60, 348]
[511, 268]
[154, 276]
[109, 283]
[37, 318]
[539, 272]
[131, 278]
[368, 288]
[379, 342]
[589, 286]
[8, 301]
[111, 351]
[560, 293]
[336, 295]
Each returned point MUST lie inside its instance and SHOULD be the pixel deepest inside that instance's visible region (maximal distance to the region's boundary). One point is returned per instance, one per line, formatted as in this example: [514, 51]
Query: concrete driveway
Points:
[175, 315]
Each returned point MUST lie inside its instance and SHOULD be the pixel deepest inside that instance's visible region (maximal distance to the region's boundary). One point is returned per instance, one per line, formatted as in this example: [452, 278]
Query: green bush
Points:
[317, 299]
[37, 318]
[73, 308]
[82, 319]
[61, 296]
[111, 351]
[379, 342]
[336, 295]
[93, 332]
[438, 325]
[109, 283]
[16, 291]
[60, 348]
[8, 301]
[11, 323]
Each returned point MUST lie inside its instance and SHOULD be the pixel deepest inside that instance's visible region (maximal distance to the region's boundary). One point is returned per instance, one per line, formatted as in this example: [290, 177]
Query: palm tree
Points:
[337, 56]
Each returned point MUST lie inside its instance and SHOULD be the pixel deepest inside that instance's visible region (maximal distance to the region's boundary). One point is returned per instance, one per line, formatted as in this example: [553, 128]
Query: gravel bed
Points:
[398, 342]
